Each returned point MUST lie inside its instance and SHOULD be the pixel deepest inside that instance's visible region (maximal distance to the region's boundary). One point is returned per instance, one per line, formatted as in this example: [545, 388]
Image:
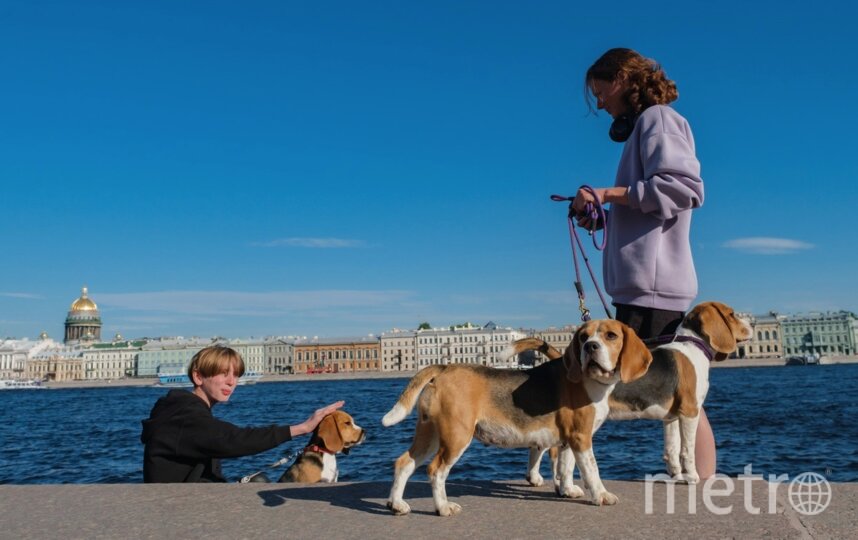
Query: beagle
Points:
[673, 388]
[558, 403]
[336, 433]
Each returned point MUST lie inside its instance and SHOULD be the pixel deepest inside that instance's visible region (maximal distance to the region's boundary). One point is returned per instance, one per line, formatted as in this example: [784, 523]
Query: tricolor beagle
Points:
[554, 404]
[673, 388]
[336, 433]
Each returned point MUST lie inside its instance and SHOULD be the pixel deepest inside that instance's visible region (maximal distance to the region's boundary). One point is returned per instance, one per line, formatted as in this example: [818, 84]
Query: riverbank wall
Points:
[501, 509]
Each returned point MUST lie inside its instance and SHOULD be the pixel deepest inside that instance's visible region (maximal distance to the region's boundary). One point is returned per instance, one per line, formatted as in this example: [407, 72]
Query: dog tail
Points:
[530, 344]
[409, 396]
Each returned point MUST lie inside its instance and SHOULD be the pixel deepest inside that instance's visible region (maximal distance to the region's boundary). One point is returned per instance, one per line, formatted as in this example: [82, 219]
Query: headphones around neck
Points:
[622, 127]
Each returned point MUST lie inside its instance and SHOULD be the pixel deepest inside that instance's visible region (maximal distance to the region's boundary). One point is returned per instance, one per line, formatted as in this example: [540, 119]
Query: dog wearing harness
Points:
[336, 433]
[672, 390]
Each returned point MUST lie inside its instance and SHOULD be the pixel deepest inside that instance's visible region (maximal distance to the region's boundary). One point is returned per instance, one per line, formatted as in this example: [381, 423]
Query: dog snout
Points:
[591, 347]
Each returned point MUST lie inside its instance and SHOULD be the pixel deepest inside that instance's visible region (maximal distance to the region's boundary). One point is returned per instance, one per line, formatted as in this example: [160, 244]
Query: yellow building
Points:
[337, 355]
[55, 367]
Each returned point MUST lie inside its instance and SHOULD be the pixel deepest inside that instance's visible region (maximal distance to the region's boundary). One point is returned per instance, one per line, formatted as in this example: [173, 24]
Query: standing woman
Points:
[647, 266]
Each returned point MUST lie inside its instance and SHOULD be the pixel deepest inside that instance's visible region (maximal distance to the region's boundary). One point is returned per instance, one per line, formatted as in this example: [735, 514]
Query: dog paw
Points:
[449, 509]
[399, 508]
[674, 470]
[606, 498]
[570, 491]
[535, 479]
[690, 477]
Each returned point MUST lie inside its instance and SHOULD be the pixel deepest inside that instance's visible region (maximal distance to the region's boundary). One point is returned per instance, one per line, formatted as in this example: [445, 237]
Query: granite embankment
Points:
[490, 510]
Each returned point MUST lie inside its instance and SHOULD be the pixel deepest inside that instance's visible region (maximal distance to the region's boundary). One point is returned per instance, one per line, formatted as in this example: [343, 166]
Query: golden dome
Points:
[83, 303]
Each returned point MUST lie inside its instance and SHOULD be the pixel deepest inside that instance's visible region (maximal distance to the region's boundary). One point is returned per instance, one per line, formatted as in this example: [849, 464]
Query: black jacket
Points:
[184, 442]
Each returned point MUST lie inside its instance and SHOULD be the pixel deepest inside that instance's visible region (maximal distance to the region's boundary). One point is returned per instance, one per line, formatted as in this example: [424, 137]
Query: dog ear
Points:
[572, 359]
[329, 432]
[708, 321]
[635, 358]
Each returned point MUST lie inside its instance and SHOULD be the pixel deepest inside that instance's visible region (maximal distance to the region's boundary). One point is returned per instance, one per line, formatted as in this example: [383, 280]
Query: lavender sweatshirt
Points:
[647, 261]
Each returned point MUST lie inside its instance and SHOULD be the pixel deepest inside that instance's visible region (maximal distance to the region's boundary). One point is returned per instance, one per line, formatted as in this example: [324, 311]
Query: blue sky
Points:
[342, 168]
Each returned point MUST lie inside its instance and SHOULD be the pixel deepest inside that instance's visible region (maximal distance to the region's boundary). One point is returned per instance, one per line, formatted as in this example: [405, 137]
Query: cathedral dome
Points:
[83, 303]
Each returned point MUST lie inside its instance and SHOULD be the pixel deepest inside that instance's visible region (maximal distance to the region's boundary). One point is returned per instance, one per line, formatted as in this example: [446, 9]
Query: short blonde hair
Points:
[215, 360]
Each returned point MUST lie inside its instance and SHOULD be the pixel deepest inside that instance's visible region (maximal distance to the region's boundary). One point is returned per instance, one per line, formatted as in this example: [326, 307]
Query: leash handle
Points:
[595, 212]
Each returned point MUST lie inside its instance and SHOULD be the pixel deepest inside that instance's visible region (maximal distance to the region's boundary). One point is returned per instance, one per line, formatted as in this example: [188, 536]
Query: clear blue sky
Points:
[341, 168]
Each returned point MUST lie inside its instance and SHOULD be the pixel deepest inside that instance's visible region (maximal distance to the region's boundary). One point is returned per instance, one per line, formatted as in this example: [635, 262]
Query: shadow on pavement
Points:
[371, 497]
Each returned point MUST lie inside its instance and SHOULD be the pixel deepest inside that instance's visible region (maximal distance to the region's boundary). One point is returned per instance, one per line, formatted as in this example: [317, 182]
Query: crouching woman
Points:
[184, 442]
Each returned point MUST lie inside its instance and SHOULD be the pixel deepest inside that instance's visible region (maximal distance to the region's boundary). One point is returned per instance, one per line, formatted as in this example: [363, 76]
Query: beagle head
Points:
[338, 432]
[719, 326]
[606, 351]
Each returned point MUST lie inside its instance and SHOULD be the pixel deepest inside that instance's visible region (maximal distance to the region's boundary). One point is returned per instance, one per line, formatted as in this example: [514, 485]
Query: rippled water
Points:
[782, 420]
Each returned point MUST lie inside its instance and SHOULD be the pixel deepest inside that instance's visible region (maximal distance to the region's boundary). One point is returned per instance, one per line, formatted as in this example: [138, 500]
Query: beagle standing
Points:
[673, 388]
[336, 433]
[554, 404]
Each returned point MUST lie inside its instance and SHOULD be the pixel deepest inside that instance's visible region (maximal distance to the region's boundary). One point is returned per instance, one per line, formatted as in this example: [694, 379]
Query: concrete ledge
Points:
[490, 510]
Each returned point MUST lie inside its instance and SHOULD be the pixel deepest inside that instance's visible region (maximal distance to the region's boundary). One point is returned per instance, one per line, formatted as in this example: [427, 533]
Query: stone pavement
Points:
[356, 511]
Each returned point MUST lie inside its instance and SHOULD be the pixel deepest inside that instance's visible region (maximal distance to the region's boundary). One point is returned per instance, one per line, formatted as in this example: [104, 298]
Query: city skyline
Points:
[342, 170]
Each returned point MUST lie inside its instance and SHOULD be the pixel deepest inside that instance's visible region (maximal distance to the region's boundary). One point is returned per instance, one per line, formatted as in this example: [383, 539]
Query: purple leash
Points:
[596, 214]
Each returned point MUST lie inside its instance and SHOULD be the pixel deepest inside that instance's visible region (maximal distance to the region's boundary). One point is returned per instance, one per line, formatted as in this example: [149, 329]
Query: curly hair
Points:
[646, 83]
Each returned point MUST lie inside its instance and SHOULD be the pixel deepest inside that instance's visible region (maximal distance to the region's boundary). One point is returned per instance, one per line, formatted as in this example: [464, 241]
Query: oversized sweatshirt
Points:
[647, 260]
[181, 434]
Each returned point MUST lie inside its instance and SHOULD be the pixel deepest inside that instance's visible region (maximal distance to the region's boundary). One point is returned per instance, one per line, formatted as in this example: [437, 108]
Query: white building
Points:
[399, 350]
[169, 355]
[114, 360]
[469, 344]
[14, 354]
[830, 333]
[279, 355]
[559, 338]
[252, 352]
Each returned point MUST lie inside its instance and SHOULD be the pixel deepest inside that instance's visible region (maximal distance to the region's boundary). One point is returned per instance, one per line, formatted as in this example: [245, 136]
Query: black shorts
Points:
[649, 322]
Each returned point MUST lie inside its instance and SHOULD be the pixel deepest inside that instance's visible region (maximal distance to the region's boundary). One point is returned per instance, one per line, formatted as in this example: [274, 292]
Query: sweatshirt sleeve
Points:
[211, 437]
[671, 182]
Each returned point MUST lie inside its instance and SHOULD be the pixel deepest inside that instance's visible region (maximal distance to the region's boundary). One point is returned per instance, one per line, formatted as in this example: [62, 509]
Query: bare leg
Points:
[704, 449]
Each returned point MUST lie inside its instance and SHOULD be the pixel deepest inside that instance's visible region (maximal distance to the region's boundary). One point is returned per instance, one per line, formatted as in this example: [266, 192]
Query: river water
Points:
[779, 420]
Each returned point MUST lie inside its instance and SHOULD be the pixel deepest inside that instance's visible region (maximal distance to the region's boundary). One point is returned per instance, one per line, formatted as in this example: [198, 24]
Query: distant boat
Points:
[17, 384]
[181, 380]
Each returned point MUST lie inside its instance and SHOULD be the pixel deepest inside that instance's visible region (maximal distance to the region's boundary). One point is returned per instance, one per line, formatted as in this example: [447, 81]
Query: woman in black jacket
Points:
[185, 443]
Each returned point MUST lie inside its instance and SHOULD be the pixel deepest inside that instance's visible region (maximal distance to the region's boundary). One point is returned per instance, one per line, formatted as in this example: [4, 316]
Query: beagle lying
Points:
[336, 433]
[554, 404]
[673, 388]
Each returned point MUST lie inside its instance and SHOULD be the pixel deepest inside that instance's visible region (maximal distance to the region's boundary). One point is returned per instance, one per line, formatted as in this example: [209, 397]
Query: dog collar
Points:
[316, 448]
[676, 338]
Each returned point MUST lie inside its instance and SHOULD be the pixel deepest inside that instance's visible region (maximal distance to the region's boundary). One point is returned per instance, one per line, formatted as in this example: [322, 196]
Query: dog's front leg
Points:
[564, 470]
[534, 459]
[590, 474]
[688, 432]
[671, 448]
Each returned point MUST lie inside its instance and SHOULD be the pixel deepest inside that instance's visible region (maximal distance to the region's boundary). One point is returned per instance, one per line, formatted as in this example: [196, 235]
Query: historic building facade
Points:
[467, 344]
[252, 352]
[168, 355]
[83, 322]
[399, 350]
[820, 334]
[15, 354]
[766, 338]
[319, 355]
[279, 355]
[559, 338]
[110, 361]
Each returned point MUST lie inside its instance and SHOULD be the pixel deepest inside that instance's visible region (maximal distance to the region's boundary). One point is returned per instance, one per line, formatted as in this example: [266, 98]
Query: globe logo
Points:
[809, 493]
